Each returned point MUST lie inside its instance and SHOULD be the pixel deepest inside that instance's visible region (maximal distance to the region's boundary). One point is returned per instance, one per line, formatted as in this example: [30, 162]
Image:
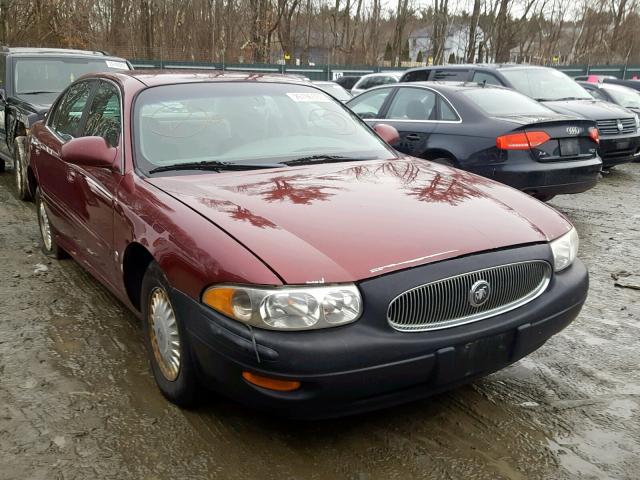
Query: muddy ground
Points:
[77, 399]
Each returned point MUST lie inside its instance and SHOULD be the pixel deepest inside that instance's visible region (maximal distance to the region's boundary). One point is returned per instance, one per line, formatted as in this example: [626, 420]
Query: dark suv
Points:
[30, 80]
[618, 127]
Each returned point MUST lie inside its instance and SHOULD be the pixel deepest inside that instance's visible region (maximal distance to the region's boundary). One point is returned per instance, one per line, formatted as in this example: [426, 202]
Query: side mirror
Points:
[89, 152]
[387, 133]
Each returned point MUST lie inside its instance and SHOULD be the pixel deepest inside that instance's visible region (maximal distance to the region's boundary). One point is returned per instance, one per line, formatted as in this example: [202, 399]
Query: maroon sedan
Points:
[280, 252]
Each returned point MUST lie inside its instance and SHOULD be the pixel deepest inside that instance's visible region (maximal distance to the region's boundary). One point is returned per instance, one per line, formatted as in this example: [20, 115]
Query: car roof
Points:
[444, 86]
[60, 51]
[489, 66]
[152, 78]
[392, 73]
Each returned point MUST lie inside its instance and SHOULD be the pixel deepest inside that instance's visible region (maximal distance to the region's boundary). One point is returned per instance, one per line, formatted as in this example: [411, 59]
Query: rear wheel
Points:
[542, 198]
[20, 172]
[166, 339]
[49, 245]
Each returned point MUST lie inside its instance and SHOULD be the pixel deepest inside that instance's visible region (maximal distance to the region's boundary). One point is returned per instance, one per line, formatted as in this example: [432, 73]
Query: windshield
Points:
[34, 76]
[627, 97]
[498, 101]
[255, 123]
[545, 84]
[336, 90]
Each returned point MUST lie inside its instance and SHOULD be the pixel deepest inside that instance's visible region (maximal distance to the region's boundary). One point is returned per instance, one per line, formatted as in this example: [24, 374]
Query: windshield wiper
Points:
[35, 92]
[214, 166]
[323, 159]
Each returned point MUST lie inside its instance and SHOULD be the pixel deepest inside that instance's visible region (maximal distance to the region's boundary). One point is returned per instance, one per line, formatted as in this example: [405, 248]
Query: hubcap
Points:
[45, 228]
[165, 338]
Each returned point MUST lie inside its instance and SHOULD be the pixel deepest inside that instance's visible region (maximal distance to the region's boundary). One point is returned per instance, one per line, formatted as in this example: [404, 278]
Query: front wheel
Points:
[49, 246]
[166, 340]
[20, 171]
[542, 198]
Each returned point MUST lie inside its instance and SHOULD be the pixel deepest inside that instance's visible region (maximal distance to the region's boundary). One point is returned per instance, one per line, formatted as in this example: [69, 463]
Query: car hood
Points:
[342, 222]
[591, 109]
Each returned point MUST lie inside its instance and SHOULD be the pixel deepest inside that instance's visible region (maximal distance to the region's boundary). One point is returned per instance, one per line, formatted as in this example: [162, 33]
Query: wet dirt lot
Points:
[77, 399]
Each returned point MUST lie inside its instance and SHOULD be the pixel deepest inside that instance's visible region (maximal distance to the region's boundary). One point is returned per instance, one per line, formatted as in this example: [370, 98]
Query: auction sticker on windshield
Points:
[308, 97]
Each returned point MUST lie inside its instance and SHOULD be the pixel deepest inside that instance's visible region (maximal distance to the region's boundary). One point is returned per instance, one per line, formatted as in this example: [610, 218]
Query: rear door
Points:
[56, 177]
[413, 112]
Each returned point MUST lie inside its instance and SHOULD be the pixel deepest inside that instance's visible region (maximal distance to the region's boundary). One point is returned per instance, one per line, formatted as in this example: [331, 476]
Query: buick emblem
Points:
[574, 130]
[620, 126]
[479, 293]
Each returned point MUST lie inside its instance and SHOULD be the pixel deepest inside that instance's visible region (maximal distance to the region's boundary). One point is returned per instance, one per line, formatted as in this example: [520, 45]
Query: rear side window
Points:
[367, 105]
[452, 75]
[500, 101]
[489, 78]
[446, 112]
[103, 119]
[413, 104]
[66, 119]
[417, 76]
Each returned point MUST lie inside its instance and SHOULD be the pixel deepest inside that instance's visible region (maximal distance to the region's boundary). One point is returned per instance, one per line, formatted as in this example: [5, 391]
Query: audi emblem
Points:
[574, 130]
[479, 293]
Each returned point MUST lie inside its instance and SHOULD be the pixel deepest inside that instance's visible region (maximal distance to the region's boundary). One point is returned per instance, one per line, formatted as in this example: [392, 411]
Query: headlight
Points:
[565, 250]
[637, 121]
[286, 308]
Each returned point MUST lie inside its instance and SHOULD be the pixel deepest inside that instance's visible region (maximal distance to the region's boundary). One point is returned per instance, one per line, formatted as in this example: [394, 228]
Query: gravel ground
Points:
[77, 399]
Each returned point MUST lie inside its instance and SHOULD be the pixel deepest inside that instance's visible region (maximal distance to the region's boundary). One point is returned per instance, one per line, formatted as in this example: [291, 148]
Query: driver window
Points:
[103, 119]
[66, 119]
[367, 105]
[413, 104]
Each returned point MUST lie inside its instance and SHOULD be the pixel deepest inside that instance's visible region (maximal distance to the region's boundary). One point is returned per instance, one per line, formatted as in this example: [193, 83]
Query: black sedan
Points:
[492, 131]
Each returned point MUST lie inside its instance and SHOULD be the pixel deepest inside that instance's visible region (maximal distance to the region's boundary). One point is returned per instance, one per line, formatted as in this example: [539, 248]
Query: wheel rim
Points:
[45, 228]
[165, 338]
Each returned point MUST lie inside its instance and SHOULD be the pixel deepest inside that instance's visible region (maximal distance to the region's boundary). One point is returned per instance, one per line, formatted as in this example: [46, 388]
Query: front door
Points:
[95, 188]
[413, 112]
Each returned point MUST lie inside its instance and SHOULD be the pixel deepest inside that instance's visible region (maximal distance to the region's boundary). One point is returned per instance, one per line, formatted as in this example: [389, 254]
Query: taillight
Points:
[521, 141]
[594, 134]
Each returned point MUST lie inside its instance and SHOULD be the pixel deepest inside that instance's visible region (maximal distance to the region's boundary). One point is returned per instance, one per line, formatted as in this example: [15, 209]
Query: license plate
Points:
[569, 147]
[485, 353]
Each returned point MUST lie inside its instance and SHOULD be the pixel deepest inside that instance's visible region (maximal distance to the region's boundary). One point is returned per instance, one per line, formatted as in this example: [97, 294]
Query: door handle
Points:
[412, 137]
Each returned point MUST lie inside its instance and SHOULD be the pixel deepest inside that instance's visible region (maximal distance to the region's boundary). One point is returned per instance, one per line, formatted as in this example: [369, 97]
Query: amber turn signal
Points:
[271, 383]
[220, 300]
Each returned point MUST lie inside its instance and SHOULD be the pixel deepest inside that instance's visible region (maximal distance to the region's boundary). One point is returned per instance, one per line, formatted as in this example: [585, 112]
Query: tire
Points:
[20, 173]
[543, 198]
[174, 373]
[49, 246]
[1, 165]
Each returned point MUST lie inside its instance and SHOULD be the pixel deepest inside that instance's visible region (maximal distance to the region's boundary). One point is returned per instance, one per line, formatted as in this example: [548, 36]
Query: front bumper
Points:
[548, 178]
[619, 150]
[368, 365]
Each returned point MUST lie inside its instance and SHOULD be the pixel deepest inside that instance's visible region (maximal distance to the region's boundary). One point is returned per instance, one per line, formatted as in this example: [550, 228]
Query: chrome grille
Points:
[610, 127]
[445, 303]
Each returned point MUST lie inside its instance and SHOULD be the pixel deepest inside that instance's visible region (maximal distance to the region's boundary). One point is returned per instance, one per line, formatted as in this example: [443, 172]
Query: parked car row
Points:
[594, 125]
[302, 255]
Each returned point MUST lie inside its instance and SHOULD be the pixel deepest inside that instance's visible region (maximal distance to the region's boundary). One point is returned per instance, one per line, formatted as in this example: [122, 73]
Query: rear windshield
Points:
[545, 84]
[33, 76]
[503, 102]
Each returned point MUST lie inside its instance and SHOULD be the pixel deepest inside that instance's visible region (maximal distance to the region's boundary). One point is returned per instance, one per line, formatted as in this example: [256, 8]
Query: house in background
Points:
[455, 47]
